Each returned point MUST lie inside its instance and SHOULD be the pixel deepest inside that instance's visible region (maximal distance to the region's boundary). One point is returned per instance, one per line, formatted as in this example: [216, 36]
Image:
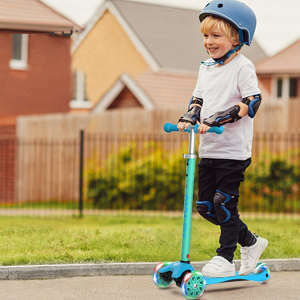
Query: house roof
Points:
[284, 62]
[169, 37]
[164, 89]
[168, 89]
[124, 81]
[32, 16]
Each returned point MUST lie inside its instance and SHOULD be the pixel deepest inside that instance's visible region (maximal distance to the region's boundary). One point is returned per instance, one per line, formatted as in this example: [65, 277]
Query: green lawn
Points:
[94, 239]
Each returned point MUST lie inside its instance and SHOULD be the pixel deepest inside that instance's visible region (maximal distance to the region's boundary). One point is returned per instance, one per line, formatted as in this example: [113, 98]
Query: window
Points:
[279, 87]
[79, 93]
[19, 54]
[80, 99]
[285, 87]
[293, 91]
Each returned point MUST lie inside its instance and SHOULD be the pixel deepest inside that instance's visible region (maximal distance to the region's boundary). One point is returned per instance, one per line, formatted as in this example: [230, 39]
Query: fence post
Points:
[81, 175]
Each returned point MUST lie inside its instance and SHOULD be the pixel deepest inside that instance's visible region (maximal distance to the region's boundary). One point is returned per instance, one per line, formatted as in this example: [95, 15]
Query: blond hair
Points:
[213, 22]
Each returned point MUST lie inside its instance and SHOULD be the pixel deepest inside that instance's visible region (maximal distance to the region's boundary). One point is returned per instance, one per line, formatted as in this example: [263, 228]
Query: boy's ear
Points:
[235, 42]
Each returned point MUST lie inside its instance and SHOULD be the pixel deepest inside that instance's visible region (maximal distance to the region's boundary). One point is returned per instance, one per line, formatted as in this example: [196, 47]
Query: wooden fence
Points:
[47, 148]
[48, 169]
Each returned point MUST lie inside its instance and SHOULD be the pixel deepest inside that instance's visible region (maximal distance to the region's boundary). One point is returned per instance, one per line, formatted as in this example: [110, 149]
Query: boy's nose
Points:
[209, 40]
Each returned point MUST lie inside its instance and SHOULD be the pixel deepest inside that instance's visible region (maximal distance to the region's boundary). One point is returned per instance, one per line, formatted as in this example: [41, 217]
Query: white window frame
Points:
[285, 87]
[21, 64]
[80, 102]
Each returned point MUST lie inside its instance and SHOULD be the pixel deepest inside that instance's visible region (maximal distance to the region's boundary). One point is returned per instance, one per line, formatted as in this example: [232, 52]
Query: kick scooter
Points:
[191, 282]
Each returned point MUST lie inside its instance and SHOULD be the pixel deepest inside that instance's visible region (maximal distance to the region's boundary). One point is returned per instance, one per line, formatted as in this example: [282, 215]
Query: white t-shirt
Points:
[221, 88]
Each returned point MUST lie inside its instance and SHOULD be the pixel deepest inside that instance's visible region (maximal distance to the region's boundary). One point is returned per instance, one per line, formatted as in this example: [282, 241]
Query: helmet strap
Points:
[222, 59]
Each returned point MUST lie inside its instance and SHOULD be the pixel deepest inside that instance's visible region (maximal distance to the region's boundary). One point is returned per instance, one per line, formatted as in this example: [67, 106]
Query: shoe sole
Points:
[264, 246]
[218, 275]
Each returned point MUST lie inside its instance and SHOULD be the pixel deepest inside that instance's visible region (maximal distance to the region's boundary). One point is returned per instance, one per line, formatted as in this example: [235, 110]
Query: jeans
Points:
[225, 175]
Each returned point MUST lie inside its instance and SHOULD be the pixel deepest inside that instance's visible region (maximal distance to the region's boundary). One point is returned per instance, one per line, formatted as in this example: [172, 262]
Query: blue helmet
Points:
[235, 12]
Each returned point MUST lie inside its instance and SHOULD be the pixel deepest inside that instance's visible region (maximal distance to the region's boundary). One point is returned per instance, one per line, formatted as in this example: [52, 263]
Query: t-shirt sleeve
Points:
[247, 81]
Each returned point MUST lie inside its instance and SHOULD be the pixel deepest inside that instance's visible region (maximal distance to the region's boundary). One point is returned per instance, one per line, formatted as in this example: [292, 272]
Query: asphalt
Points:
[282, 285]
[33, 272]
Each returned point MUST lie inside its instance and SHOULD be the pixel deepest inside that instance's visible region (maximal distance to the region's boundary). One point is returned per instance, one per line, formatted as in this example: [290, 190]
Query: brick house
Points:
[139, 55]
[280, 76]
[35, 74]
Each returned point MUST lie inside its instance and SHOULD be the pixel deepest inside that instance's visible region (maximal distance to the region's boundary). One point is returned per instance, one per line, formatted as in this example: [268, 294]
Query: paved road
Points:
[282, 285]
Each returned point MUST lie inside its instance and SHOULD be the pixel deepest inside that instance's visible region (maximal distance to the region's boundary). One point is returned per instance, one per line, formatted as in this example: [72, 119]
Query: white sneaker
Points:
[219, 267]
[250, 255]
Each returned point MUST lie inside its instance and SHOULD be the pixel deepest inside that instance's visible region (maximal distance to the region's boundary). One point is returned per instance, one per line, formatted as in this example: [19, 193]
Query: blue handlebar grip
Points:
[168, 127]
[217, 130]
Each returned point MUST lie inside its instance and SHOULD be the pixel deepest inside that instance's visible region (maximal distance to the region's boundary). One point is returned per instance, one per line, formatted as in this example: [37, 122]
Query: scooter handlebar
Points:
[168, 127]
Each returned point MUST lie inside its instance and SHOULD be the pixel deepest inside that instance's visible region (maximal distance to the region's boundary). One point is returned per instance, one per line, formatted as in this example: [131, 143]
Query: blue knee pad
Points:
[206, 210]
[216, 211]
[220, 199]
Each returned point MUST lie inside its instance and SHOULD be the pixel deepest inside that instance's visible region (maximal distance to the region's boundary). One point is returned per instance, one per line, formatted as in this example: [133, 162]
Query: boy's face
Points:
[217, 43]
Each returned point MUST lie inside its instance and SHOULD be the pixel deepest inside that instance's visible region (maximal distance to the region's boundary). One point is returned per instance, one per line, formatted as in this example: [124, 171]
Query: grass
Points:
[95, 239]
[51, 204]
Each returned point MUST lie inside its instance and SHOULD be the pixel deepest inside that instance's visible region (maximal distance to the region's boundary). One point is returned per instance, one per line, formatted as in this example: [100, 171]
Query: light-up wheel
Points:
[193, 285]
[162, 280]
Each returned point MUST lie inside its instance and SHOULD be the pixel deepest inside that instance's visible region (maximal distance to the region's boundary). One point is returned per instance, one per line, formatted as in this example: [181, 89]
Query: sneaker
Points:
[250, 255]
[219, 267]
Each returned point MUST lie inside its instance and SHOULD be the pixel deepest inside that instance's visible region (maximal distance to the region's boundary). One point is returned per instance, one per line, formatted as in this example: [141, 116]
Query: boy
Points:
[226, 94]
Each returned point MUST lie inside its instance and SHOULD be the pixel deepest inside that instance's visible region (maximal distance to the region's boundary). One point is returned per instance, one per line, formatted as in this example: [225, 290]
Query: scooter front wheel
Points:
[261, 267]
[193, 285]
[162, 280]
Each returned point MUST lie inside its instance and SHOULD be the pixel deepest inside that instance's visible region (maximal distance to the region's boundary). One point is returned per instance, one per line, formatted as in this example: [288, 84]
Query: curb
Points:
[110, 269]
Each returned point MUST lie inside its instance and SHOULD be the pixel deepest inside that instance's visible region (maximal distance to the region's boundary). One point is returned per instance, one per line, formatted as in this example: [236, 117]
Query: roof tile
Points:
[286, 61]
[31, 15]
[172, 35]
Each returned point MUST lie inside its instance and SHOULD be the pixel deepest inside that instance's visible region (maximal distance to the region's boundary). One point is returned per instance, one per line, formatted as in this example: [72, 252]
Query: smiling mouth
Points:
[212, 50]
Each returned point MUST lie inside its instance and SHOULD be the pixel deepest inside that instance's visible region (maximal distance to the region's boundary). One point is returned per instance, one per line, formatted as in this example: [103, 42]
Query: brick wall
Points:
[104, 55]
[44, 87]
[125, 100]
[7, 163]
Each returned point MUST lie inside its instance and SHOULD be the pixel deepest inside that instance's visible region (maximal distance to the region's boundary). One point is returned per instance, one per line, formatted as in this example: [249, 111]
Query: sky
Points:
[278, 21]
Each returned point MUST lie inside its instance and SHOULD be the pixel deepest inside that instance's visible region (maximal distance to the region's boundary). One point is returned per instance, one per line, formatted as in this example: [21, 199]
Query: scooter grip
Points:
[168, 127]
[217, 130]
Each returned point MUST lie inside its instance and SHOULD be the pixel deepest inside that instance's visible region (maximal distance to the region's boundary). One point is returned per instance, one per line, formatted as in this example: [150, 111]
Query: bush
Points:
[152, 179]
[149, 178]
[272, 185]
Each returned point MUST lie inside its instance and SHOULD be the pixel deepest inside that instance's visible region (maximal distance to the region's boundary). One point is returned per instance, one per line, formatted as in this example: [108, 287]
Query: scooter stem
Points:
[188, 198]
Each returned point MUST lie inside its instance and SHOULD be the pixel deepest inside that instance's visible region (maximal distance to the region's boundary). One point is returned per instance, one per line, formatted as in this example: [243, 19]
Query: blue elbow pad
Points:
[253, 105]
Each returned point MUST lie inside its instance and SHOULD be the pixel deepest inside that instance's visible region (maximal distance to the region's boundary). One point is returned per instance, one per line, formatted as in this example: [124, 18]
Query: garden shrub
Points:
[151, 178]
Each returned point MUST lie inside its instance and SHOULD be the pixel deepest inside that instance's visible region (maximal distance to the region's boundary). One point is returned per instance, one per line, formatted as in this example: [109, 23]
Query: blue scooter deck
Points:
[260, 277]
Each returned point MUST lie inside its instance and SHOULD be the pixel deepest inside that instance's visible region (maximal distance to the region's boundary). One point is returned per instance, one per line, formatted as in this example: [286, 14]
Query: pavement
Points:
[134, 281]
[282, 285]
[31, 272]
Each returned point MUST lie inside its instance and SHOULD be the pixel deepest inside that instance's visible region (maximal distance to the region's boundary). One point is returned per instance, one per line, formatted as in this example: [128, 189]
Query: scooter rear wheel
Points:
[193, 285]
[163, 281]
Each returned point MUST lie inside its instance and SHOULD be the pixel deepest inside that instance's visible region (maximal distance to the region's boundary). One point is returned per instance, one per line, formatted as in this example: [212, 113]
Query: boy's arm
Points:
[248, 106]
[193, 114]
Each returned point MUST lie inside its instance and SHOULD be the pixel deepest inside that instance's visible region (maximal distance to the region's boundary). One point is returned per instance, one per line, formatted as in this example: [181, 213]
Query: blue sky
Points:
[278, 20]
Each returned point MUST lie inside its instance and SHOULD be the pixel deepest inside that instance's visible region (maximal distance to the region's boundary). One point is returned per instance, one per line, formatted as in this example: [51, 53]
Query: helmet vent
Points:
[220, 5]
[206, 4]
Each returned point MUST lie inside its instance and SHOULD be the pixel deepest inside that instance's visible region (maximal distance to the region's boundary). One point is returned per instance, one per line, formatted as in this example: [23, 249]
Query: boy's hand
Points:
[183, 125]
[203, 128]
